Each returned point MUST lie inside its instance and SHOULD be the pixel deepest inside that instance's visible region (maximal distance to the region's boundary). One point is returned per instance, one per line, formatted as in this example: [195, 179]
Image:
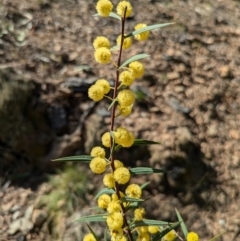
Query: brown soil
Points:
[191, 102]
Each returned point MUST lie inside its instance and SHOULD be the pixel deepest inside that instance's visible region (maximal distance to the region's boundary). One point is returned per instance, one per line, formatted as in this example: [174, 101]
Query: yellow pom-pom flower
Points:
[139, 213]
[121, 8]
[142, 229]
[89, 237]
[115, 197]
[104, 7]
[124, 111]
[170, 236]
[153, 229]
[98, 165]
[115, 221]
[126, 78]
[127, 42]
[137, 68]
[103, 201]
[96, 92]
[143, 237]
[125, 98]
[118, 164]
[192, 236]
[102, 55]
[141, 36]
[98, 151]
[114, 206]
[108, 180]
[123, 137]
[106, 139]
[105, 84]
[100, 42]
[134, 191]
[121, 175]
[117, 235]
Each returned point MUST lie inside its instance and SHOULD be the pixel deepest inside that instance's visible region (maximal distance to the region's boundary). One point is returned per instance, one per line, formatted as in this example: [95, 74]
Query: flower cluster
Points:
[121, 195]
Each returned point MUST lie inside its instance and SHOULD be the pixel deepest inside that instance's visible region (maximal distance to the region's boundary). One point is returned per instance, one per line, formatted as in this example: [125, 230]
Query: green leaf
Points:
[144, 185]
[145, 170]
[83, 158]
[92, 218]
[114, 48]
[112, 14]
[148, 28]
[217, 236]
[140, 142]
[130, 199]
[134, 58]
[95, 236]
[164, 232]
[104, 191]
[183, 226]
[105, 234]
[149, 222]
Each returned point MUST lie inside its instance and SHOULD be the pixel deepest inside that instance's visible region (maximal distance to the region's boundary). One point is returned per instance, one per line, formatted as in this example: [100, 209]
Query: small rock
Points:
[173, 75]
[21, 224]
[16, 215]
[225, 71]
[38, 217]
[28, 212]
[212, 130]
[179, 88]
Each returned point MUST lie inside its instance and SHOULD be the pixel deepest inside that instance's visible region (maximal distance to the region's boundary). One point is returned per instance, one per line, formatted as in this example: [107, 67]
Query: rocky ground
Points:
[191, 105]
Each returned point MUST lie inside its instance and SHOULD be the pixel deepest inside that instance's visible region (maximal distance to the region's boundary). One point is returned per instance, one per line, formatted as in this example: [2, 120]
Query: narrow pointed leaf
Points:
[145, 170]
[93, 233]
[104, 191]
[183, 226]
[130, 199]
[217, 236]
[92, 218]
[114, 48]
[139, 142]
[144, 185]
[134, 58]
[113, 15]
[148, 28]
[165, 231]
[149, 222]
[83, 158]
[105, 234]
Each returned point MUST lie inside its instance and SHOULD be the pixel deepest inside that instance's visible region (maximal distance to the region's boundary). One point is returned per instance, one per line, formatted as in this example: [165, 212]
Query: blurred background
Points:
[188, 100]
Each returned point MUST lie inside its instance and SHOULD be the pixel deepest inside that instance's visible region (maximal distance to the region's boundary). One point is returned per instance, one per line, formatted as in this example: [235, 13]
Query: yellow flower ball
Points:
[105, 84]
[96, 93]
[134, 191]
[89, 237]
[115, 221]
[170, 236]
[125, 98]
[126, 78]
[192, 236]
[124, 111]
[143, 237]
[121, 175]
[115, 197]
[118, 164]
[102, 55]
[98, 165]
[100, 42]
[127, 42]
[114, 206]
[153, 229]
[104, 8]
[142, 229]
[116, 235]
[139, 213]
[123, 137]
[106, 139]
[121, 8]
[98, 151]
[103, 201]
[108, 180]
[141, 36]
[137, 68]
